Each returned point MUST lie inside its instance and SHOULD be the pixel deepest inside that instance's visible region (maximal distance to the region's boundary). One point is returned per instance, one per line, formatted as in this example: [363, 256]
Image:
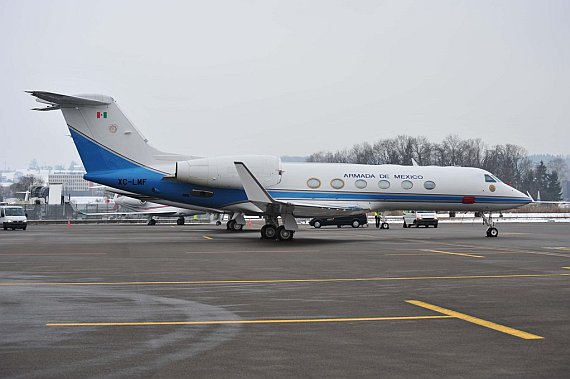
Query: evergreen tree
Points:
[553, 188]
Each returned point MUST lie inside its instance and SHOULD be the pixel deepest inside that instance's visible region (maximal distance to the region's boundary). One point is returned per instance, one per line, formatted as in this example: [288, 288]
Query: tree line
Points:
[509, 162]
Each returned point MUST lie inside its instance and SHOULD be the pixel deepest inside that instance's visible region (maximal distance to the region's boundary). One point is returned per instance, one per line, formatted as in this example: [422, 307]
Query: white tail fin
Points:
[105, 138]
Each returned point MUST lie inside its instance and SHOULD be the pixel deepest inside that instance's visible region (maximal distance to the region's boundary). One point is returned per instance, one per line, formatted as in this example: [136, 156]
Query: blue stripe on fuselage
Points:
[109, 168]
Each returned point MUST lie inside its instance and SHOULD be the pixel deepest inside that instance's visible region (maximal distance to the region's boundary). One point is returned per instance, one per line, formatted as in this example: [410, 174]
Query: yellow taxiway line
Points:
[277, 281]
[477, 321]
[268, 321]
[207, 237]
[460, 254]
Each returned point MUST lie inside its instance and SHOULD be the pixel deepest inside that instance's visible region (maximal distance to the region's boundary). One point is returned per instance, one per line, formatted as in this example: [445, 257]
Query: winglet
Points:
[253, 189]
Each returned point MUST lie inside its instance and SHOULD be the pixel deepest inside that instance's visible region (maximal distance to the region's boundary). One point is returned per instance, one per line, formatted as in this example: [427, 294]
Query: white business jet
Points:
[116, 154]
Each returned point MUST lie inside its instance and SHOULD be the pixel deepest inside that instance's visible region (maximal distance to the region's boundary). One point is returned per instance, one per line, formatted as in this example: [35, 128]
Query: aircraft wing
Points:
[547, 201]
[157, 213]
[259, 196]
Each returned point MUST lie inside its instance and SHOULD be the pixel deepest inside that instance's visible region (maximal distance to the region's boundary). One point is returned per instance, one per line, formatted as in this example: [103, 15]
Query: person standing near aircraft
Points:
[377, 216]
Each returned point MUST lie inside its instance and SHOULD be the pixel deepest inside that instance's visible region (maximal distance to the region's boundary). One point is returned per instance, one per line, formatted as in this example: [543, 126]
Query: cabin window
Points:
[489, 179]
[383, 184]
[337, 183]
[429, 185]
[313, 183]
[406, 184]
[360, 183]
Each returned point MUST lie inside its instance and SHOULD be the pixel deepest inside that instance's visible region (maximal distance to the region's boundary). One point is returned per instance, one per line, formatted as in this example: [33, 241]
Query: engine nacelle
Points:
[221, 171]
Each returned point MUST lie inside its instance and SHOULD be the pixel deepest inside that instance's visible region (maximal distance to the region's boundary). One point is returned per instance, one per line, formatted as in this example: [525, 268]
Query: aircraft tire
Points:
[230, 224]
[180, 221]
[284, 234]
[237, 227]
[492, 232]
[151, 222]
[384, 225]
[268, 232]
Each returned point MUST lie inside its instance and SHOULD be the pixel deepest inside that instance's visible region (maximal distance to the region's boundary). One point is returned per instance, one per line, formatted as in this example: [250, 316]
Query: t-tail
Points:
[105, 138]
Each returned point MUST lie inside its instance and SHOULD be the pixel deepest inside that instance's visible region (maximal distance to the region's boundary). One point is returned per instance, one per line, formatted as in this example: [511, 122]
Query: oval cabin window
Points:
[360, 183]
[337, 183]
[429, 185]
[383, 184]
[313, 183]
[406, 184]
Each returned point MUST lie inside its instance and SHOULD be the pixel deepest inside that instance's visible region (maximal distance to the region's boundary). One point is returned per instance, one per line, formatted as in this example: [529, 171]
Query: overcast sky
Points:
[289, 77]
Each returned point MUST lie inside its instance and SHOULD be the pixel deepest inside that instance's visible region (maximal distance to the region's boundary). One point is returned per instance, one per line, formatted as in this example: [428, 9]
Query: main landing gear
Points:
[383, 223]
[272, 229]
[180, 220]
[236, 222]
[491, 231]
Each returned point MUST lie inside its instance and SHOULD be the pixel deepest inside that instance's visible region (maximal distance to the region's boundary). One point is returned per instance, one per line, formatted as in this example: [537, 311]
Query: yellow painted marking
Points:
[49, 254]
[567, 268]
[475, 320]
[272, 281]
[461, 254]
[207, 237]
[270, 321]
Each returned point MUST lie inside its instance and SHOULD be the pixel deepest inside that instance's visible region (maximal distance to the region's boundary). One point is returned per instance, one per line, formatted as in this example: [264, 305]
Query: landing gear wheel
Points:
[237, 227]
[384, 225]
[317, 224]
[218, 223]
[355, 223]
[230, 224]
[339, 226]
[268, 232]
[492, 232]
[180, 221]
[151, 222]
[284, 234]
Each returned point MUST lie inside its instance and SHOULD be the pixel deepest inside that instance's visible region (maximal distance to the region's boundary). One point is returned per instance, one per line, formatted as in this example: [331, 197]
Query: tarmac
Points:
[166, 301]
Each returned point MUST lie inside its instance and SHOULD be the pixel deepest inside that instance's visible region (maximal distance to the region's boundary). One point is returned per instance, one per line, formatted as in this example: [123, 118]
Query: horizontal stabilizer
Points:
[52, 108]
[67, 101]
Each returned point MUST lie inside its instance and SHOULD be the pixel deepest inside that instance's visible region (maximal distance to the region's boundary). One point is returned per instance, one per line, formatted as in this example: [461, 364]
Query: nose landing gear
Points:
[491, 231]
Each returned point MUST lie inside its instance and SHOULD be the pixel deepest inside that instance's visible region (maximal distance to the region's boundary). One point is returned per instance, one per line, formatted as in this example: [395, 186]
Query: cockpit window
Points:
[489, 179]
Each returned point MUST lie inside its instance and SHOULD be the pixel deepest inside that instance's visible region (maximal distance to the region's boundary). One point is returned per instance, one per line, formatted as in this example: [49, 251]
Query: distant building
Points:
[73, 182]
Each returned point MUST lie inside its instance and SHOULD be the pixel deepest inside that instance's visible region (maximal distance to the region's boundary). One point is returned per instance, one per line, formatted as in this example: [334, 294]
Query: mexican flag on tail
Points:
[101, 114]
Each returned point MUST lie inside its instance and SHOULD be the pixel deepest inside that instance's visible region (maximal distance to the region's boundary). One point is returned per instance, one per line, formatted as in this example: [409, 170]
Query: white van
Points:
[417, 218]
[13, 217]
